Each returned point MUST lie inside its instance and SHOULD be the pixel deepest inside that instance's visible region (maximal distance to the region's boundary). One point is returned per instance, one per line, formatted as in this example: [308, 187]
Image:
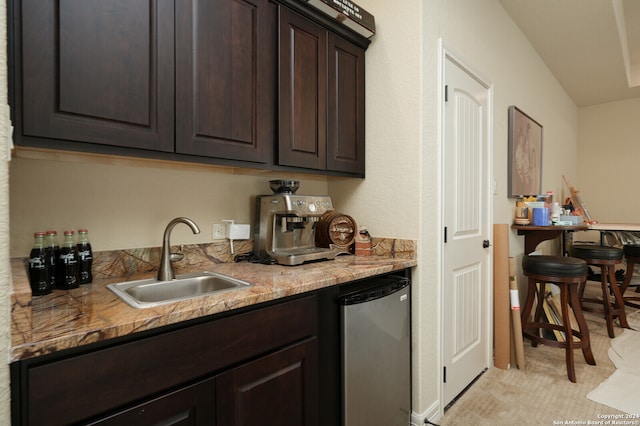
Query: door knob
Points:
[485, 244]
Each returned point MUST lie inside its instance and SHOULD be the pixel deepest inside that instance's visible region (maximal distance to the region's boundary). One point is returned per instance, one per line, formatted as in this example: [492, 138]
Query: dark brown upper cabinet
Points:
[322, 84]
[345, 118]
[270, 84]
[192, 77]
[226, 78]
[303, 88]
[98, 71]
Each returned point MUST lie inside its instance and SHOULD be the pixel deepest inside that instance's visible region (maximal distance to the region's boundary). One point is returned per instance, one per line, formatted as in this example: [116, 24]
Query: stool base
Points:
[568, 299]
[630, 300]
[611, 309]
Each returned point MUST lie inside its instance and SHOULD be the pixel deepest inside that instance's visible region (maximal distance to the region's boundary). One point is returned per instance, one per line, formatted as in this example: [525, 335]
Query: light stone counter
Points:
[92, 313]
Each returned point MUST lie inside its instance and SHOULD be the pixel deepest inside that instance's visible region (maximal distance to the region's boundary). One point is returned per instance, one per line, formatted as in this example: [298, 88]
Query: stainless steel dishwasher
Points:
[376, 353]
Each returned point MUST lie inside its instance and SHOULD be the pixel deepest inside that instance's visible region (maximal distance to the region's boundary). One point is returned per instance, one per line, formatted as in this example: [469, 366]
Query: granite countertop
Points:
[92, 313]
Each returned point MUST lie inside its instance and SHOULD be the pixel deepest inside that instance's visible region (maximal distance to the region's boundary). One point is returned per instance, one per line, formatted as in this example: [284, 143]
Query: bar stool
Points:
[567, 273]
[606, 258]
[632, 254]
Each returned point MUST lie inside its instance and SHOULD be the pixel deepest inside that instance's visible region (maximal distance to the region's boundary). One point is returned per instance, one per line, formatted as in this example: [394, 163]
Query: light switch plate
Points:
[238, 231]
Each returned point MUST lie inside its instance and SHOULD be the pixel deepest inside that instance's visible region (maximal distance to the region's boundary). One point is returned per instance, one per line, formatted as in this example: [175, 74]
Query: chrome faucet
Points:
[165, 273]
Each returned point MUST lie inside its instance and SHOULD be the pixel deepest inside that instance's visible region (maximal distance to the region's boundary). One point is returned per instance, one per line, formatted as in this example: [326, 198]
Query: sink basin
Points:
[151, 292]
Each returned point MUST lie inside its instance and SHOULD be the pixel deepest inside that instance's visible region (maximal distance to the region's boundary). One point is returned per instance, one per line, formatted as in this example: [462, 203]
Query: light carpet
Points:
[542, 394]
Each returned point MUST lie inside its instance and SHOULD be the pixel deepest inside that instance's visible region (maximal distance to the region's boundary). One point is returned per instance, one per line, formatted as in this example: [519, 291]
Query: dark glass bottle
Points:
[39, 263]
[85, 257]
[67, 264]
[53, 251]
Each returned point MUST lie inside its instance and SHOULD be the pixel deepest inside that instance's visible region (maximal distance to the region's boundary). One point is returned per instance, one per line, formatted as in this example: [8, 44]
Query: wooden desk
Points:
[612, 228]
[534, 235]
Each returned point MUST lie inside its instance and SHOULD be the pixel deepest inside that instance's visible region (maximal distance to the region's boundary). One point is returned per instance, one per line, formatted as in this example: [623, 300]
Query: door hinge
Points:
[444, 375]
[445, 234]
[446, 93]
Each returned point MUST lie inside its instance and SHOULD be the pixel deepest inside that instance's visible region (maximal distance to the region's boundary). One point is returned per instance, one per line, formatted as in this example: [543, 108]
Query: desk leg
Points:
[533, 238]
[567, 240]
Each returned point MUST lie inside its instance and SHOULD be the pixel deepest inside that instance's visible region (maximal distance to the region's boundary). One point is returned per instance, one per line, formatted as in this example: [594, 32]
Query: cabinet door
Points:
[278, 389]
[303, 92]
[98, 71]
[193, 405]
[226, 79]
[345, 130]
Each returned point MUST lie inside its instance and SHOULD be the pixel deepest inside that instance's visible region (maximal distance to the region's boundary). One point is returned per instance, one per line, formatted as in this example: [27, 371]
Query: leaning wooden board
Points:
[501, 314]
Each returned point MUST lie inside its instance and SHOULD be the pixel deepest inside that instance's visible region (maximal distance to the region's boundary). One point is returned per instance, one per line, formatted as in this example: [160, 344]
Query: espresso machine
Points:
[285, 227]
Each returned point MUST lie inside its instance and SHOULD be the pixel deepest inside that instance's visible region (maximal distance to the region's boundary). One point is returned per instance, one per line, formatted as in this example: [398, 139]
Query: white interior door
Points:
[467, 206]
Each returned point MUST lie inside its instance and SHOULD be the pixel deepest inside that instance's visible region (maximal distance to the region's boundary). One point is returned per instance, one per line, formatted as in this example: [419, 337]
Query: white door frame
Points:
[444, 53]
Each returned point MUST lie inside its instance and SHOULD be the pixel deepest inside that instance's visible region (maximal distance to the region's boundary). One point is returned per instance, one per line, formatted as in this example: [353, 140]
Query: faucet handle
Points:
[176, 257]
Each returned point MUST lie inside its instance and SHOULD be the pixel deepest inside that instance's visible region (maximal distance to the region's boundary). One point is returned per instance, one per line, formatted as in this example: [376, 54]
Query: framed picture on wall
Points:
[525, 154]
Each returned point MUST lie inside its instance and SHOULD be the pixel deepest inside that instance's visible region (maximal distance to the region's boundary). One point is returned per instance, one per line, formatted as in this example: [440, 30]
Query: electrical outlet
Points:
[219, 231]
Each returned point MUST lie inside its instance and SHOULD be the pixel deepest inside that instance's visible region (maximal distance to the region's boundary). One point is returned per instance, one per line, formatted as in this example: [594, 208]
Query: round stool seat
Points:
[631, 250]
[605, 258]
[587, 251]
[554, 266]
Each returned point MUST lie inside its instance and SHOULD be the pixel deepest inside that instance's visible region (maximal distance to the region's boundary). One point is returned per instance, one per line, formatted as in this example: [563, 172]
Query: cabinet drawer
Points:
[76, 388]
[192, 405]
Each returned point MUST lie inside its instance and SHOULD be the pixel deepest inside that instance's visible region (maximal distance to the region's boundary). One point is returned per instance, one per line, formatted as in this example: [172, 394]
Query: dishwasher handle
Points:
[376, 292]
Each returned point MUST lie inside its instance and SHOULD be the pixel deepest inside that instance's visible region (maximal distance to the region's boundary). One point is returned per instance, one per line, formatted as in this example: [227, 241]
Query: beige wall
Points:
[401, 193]
[129, 205]
[609, 159]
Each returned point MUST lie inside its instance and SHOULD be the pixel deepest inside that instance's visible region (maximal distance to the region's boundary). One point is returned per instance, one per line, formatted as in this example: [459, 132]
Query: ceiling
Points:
[591, 46]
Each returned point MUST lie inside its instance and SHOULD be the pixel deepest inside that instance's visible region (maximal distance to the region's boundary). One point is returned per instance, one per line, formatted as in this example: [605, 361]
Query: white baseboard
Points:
[432, 414]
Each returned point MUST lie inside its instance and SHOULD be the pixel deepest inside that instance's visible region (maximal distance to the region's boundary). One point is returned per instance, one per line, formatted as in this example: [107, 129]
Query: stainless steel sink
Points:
[151, 292]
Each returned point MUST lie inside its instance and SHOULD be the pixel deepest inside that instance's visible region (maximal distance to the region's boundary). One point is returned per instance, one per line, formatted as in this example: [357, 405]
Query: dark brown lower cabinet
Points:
[279, 389]
[260, 363]
[193, 405]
